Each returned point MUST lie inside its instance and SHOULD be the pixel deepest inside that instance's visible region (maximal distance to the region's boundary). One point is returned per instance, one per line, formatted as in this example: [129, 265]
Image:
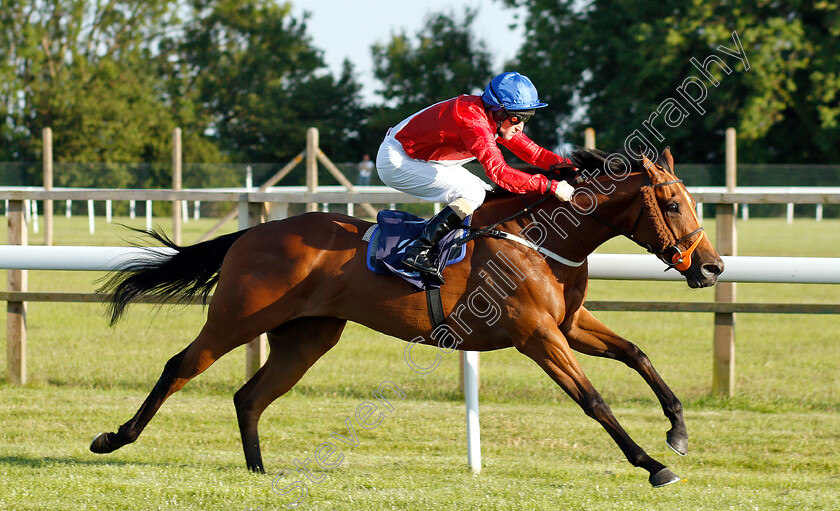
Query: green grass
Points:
[772, 446]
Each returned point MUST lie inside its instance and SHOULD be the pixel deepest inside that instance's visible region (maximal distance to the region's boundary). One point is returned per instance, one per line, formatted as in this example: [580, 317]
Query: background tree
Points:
[87, 70]
[613, 62]
[259, 79]
[443, 61]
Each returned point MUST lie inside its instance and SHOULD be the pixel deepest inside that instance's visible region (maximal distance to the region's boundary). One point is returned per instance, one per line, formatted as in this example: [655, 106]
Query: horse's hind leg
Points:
[186, 365]
[295, 346]
[590, 336]
[551, 351]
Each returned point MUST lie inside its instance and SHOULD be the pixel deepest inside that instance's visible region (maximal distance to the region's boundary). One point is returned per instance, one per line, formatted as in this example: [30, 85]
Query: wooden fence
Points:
[254, 205]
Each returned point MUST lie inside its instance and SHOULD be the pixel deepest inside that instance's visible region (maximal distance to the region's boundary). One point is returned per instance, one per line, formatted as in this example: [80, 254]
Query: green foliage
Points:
[261, 81]
[85, 70]
[620, 60]
[243, 80]
[444, 61]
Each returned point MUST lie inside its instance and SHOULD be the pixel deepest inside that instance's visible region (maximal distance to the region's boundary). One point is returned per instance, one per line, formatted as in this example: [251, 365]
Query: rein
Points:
[491, 230]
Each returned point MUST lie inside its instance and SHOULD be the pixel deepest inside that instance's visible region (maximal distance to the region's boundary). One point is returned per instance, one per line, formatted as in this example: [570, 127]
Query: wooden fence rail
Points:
[252, 207]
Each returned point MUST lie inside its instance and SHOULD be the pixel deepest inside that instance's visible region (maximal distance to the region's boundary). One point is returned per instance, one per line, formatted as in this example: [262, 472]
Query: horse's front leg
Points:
[588, 335]
[549, 348]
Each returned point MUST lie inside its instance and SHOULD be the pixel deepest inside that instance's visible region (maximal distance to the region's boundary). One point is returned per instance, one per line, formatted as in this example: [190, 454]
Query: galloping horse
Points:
[302, 278]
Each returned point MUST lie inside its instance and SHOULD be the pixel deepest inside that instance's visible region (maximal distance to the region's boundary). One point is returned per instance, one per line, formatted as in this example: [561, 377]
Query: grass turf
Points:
[772, 446]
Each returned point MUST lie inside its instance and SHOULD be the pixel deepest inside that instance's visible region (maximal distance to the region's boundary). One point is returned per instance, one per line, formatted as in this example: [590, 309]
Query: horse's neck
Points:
[563, 228]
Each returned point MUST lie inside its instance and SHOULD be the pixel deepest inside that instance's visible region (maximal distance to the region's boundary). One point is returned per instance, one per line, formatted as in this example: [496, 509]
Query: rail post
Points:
[16, 311]
[47, 156]
[723, 376]
[256, 351]
[589, 138]
[176, 184]
[312, 165]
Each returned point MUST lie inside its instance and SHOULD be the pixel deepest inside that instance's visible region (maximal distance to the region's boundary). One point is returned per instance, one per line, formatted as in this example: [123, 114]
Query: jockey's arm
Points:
[531, 152]
[482, 144]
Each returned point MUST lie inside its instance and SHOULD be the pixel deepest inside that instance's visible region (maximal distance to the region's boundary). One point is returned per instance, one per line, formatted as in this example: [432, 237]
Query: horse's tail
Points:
[190, 272]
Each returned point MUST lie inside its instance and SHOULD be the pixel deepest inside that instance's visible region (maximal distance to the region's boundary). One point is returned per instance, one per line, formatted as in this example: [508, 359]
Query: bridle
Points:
[672, 256]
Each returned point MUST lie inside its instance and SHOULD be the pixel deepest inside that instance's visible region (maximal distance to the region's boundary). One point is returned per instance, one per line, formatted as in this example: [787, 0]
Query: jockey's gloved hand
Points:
[563, 172]
[561, 189]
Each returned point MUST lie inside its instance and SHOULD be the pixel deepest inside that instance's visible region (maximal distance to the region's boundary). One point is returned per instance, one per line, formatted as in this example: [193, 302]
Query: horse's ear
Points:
[669, 159]
[647, 164]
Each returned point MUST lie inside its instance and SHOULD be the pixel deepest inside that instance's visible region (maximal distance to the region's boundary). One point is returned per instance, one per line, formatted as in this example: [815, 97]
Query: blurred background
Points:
[244, 79]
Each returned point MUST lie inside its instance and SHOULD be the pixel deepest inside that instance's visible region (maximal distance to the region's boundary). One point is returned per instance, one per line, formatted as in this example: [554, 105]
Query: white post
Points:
[350, 209]
[34, 216]
[132, 209]
[91, 227]
[185, 213]
[249, 178]
[108, 206]
[326, 207]
[745, 212]
[790, 213]
[6, 207]
[27, 211]
[177, 165]
[47, 164]
[471, 399]
[196, 210]
[819, 212]
[68, 208]
[700, 212]
[148, 215]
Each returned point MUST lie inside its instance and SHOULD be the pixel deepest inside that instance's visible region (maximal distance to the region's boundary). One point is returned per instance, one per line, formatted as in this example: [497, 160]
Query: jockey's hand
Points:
[563, 172]
[562, 190]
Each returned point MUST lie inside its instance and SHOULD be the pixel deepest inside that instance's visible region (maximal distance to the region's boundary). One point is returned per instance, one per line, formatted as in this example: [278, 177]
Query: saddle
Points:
[388, 238]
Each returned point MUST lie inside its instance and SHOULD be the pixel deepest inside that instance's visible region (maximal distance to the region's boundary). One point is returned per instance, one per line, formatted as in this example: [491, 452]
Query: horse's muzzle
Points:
[703, 274]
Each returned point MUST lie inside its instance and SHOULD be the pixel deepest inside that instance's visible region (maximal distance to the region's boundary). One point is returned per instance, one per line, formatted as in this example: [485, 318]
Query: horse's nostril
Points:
[712, 269]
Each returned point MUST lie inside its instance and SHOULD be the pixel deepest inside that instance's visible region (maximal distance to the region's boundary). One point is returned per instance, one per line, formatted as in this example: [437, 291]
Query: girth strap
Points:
[435, 305]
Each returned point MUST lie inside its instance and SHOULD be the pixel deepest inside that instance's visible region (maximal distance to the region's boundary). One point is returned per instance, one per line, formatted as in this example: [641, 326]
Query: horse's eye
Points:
[673, 207]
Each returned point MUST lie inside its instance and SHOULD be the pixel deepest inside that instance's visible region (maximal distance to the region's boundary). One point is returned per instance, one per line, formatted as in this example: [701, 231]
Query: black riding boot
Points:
[421, 254]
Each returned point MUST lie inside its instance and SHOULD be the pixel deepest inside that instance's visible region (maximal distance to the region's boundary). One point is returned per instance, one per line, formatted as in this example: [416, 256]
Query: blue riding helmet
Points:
[511, 91]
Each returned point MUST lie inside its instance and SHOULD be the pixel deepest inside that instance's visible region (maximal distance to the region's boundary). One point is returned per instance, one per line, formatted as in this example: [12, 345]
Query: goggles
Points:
[516, 118]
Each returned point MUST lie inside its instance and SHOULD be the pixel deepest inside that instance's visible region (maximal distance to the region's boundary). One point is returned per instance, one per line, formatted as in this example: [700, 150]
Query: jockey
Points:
[424, 155]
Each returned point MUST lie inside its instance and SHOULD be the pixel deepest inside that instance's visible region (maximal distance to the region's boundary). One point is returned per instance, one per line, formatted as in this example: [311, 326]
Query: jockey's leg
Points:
[421, 254]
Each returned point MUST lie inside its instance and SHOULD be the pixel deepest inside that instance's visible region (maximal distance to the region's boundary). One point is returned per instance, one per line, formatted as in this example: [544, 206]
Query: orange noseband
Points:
[682, 260]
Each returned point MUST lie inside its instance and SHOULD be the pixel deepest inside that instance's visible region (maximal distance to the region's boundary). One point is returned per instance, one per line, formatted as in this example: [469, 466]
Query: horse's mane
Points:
[592, 160]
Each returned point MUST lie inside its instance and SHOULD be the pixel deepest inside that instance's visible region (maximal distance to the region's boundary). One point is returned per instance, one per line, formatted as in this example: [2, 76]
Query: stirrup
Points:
[430, 271]
[424, 262]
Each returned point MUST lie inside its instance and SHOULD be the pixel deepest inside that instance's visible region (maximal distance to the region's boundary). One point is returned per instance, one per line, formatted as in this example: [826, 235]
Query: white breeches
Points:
[432, 181]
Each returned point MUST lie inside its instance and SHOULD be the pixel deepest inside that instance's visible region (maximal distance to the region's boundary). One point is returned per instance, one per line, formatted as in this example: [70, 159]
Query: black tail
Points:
[190, 272]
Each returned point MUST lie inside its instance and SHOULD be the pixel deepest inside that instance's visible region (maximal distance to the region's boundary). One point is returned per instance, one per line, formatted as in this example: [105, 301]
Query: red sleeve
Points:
[481, 143]
[532, 153]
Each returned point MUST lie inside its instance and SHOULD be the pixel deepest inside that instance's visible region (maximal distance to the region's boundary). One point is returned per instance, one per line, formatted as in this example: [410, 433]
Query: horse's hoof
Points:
[677, 442]
[662, 478]
[100, 444]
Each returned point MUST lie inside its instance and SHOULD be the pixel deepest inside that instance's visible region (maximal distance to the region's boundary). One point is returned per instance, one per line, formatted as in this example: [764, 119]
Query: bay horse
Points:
[302, 278]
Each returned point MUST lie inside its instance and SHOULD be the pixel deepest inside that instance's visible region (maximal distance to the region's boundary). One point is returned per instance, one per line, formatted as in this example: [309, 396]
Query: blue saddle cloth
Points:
[388, 239]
